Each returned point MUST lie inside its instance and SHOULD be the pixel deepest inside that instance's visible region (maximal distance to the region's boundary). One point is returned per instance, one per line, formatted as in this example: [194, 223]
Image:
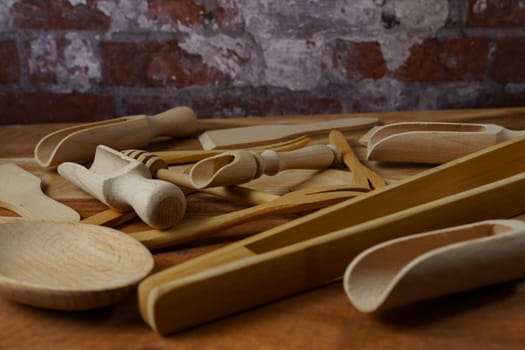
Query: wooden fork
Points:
[190, 156]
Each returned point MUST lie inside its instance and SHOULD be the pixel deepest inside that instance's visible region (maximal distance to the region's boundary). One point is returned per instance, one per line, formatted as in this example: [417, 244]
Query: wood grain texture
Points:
[488, 318]
[75, 267]
[437, 263]
[433, 142]
[21, 192]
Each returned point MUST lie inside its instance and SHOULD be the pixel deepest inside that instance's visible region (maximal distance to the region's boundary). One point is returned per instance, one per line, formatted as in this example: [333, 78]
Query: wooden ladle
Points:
[68, 266]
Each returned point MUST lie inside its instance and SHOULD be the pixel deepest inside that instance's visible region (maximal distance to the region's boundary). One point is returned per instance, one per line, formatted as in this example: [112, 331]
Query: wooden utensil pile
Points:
[364, 223]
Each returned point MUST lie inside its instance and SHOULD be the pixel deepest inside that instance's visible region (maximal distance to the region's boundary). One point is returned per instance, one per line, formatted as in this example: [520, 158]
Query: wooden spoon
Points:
[68, 266]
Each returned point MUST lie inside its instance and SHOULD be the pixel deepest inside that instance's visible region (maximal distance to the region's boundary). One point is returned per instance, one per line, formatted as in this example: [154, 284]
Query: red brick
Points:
[228, 16]
[156, 64]
[365, 60]
[184, 11]
[452, 60]
[27, 108]
[495, 13]
[9, 64]
[509, 60]
[58, 15]
[239, 103]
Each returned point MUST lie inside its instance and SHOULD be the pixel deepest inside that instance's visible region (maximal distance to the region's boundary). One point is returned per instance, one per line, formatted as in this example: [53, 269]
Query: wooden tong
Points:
[316, 249]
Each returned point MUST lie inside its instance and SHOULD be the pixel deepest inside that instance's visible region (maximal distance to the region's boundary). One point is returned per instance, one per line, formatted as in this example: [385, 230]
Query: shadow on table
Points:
[423, 313]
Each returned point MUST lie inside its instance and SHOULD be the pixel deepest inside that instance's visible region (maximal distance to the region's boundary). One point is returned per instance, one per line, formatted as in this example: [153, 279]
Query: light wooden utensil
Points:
[21, 192]
[78, 143]
[68, 266]
[437, 263]
[317, 248]
[159, 169]
[123, 183]
[253, 135]
[293, 202]
[238, 167]
[433, 142]
[362, 175]
[191, 156]
[110, 217]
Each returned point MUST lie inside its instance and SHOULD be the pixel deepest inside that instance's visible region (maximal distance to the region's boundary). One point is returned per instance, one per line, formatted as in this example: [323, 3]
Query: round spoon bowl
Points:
[69, 266]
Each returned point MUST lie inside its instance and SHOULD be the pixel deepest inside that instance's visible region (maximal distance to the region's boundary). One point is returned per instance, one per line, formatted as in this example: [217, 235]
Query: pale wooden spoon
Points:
[68, 266]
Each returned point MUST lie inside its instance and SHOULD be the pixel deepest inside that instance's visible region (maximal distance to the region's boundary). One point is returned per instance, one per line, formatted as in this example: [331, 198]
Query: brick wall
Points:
[84, 60]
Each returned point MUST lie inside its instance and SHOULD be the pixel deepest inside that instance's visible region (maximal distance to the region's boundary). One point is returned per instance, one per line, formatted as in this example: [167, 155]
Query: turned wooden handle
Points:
[158, 203]
[311, 157]
[178, 121]
[237, 167]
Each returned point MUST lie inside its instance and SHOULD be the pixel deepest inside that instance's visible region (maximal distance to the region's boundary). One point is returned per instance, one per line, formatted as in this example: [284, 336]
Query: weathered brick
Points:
[156, 64]
[9, 63]
[58, 15]
[450, 60]
[238, 103]
[495, 13]
[185, 11]
[509, 60]
[70, 61]
[25, 108]
[365, 60]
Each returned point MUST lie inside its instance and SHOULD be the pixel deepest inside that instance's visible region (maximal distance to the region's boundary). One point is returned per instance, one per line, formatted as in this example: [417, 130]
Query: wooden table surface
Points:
[488, 318]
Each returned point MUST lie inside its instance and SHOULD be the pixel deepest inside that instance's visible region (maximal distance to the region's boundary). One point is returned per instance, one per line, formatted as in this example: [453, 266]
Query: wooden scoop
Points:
[433, 142]
[68, 266]
[316, 249]
[436, 263]
[21, 192]
[238, 167]
[78, 143]
[123, 183]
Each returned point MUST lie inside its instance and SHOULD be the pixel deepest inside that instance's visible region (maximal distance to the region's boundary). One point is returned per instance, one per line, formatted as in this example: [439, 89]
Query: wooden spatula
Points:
[21, 192]
[253, 135]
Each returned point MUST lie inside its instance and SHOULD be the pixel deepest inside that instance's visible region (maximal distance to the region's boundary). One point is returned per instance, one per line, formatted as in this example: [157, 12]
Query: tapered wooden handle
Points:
[158, 203]
[178, 121]
[311, 157]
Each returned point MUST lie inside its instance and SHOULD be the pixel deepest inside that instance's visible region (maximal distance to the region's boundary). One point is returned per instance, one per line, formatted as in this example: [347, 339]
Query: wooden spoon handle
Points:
[178, 121]
[187, 232]
[311, 157]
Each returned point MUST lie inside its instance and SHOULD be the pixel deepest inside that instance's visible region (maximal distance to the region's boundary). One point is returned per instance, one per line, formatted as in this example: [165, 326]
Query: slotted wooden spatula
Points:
[20, 192]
